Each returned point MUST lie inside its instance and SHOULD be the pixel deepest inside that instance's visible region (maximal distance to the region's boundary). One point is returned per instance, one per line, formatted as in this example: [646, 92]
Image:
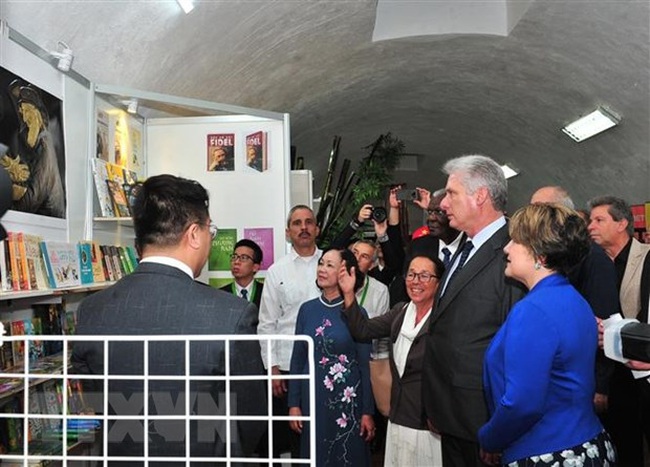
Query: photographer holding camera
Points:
[386, 225]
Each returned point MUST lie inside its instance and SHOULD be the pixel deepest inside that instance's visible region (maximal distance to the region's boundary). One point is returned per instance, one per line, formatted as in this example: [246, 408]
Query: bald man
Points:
[595, 279]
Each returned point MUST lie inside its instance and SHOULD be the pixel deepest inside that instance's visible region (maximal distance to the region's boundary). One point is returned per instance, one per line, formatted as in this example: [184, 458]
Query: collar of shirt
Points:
[294, 255]
[173, 262]
[452, 247]
[248, 288]
[485, 234]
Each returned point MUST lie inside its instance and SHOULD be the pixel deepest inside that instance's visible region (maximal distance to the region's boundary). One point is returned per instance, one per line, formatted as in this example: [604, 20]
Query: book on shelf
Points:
[18, 329]
[23, 268]
[33, 327]
[100, 175]
[14, 263]
[5, 267]
[96, 263]
[256, 151]
[221, 152]
[35, 263]
[118, 198]
[62, 262]
[85, 263]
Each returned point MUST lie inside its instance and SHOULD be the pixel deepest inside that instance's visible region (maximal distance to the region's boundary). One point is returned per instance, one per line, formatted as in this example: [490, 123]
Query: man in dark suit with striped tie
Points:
[472, 302]
[245, 261]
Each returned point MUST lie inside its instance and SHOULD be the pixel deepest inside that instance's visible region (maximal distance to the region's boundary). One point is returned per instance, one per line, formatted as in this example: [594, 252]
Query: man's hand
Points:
[279, 385]
[637, 365]
[364, 213]
[601, 403]
[295, 425]
[424, 198]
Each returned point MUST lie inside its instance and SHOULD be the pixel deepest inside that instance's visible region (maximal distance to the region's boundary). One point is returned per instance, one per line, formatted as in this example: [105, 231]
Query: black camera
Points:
[379, 214]
[408, 195]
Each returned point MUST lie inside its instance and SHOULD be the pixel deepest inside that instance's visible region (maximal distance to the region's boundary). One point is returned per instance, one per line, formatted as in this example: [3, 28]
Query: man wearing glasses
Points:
[173, 234]
[245, 261]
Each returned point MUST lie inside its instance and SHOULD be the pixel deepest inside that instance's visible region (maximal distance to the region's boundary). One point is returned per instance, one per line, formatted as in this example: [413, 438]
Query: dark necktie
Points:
[446, 257]
[464, 253]
[244, 294]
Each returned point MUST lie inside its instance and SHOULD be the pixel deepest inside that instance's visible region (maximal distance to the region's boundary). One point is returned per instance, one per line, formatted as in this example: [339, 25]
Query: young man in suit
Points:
[173, 233]
[245, 261]
[471, 304]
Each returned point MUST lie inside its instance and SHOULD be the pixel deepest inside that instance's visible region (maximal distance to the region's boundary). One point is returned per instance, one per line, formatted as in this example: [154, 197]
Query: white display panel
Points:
[241, 198]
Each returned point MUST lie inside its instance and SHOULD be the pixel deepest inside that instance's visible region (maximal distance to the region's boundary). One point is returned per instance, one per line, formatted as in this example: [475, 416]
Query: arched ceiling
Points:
[443, 95]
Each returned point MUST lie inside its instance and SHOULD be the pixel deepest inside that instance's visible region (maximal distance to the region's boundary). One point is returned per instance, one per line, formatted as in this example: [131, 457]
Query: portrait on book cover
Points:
[31, 146]
[221, 152]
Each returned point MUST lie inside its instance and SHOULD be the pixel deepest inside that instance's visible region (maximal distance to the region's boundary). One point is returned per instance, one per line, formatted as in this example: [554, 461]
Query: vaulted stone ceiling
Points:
[443, 95]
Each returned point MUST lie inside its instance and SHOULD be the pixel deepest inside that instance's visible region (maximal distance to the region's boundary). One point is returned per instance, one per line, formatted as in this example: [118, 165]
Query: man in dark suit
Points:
[472, 302]
[595, 279]
[245, 261]
[173, 234]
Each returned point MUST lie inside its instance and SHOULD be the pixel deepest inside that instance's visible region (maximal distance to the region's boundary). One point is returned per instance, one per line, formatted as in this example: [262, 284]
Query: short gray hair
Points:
[481, 171]
[616, 207]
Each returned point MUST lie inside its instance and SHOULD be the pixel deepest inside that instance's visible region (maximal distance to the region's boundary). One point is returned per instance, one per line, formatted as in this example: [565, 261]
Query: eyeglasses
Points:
[421, 276]
[436, 212]
[213, 230]
[235, 257]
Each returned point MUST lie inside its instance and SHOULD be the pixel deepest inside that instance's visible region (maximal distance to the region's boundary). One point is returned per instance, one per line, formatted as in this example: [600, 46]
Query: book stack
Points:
[27, 262]
[113, 184]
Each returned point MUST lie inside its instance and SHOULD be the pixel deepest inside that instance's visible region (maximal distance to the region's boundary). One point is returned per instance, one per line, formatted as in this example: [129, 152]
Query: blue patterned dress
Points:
[342, 378]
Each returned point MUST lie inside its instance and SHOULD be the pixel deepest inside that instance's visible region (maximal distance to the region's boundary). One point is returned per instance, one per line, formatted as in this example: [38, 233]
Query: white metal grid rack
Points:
[69, 419]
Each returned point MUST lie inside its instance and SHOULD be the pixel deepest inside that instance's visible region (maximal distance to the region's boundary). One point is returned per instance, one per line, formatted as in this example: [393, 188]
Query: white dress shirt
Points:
[290, 282]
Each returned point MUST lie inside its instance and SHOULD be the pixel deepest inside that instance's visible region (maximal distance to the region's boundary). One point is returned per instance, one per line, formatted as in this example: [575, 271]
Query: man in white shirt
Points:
[289, 283]
[373, 296]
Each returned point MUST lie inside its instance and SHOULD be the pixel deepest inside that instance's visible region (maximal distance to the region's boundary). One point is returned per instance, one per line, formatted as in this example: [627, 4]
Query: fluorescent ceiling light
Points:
[186, 5]
[508, 171]
[596, 122]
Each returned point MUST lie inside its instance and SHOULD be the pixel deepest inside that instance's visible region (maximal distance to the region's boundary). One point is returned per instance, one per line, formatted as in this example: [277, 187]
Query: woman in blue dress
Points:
[344, 403]
[538, 373]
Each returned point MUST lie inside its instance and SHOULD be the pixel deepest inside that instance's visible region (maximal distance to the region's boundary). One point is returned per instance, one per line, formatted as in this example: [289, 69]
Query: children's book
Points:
[62, 261]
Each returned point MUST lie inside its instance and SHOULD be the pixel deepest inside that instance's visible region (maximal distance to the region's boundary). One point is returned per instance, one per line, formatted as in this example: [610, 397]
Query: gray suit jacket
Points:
[159, 300]
[630, 293]
[462, 324]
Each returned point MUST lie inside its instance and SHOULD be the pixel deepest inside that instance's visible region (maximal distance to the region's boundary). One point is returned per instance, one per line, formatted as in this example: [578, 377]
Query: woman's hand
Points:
[347, 279]
[490, 458]
[367, 431]
[295, 425]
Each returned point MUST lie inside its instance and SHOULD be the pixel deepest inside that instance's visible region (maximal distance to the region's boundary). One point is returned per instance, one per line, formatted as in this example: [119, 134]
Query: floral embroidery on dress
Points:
[337, 368]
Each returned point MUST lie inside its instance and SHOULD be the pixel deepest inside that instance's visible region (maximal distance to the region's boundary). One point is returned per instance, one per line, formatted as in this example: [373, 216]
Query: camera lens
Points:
[379, 214]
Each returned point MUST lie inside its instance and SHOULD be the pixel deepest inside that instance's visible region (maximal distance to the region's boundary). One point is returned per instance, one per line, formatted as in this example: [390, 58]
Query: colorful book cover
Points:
[222, 248]
[118, 268]
[118, 198]
[85, 263]
[63, 263]
[33, 327]
[26, 279]
[6, 351]
[132, 256]
[221, 152]
[13, 261]
[102, 135]
[256, 151]
[18, 347]
[37, 270]
[99, 274]
[108, 263]
[100, 175]
[263, 236]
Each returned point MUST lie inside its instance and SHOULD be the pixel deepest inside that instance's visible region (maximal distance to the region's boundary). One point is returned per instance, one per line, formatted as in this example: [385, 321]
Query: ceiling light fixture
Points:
[596, 122]
[132, 106]
[508, 171]
[186, 5]
[65, 57]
